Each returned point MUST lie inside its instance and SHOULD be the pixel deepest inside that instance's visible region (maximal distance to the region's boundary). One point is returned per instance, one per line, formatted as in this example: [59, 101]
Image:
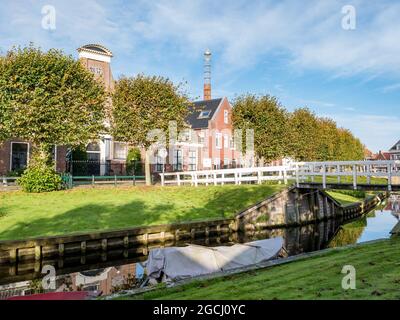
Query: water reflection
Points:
[122, 269]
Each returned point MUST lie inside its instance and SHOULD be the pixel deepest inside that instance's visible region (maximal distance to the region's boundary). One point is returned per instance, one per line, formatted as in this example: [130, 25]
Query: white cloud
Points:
[391, 88]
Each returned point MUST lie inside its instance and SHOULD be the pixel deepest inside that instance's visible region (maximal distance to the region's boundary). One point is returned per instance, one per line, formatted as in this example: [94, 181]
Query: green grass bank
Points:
[25, 215]
[320, 277]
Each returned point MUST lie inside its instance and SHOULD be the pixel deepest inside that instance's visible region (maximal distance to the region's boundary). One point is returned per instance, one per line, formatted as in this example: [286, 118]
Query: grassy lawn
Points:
[348, 179]
[28, 215]
[377, 277]
[344, 198]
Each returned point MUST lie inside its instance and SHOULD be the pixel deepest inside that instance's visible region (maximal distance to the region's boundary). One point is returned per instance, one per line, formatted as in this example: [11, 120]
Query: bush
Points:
[133, 162]
[40, 178]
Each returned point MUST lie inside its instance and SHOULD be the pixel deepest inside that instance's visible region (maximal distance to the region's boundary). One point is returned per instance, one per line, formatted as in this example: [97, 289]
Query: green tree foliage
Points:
[48, 98]
[319, 139]
[300, 134]
[142, 104]
[303, 142]
[268, 119]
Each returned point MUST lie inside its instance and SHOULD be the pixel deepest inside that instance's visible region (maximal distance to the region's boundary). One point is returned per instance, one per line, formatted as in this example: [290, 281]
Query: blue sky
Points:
[295, 50]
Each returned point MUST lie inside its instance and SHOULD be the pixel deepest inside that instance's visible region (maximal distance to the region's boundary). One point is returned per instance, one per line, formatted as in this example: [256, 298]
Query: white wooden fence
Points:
[300, 171]
[228, 176]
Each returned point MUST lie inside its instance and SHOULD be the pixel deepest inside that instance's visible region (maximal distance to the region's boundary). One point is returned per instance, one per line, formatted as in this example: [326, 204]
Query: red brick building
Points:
[210, 144]
[210, 120]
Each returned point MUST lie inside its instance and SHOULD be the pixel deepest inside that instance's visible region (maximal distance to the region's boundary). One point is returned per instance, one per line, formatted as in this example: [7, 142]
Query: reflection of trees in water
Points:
[349, 233]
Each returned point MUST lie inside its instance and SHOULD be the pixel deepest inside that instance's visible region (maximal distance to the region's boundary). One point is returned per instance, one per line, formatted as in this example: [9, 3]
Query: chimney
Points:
[207, 75]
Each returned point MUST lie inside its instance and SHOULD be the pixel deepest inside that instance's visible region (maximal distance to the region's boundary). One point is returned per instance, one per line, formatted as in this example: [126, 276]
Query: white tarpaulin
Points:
[178, 263]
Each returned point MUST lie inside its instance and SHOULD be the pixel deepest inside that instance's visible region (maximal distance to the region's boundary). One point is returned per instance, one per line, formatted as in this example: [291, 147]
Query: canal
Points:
[121, 269]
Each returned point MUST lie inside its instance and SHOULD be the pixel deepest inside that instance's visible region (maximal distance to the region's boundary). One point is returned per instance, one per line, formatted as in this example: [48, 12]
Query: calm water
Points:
[119, 272]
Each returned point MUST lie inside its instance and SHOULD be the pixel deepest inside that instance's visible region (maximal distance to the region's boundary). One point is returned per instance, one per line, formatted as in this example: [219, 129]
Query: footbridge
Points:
[354, 175]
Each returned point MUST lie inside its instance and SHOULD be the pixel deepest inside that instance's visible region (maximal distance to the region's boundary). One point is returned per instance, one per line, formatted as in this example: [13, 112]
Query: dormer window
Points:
[204, 114]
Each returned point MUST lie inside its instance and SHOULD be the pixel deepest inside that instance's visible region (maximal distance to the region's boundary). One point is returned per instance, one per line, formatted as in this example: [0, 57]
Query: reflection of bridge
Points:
[357, 175]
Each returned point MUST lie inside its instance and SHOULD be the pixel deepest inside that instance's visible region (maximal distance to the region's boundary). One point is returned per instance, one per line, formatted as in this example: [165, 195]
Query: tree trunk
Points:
[41, 155]
[147, 168]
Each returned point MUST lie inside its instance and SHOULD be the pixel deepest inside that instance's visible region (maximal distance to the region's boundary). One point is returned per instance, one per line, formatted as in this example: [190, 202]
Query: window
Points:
[93, 156]
[201, 137]
[192, 160]
[398, 147]
[204, 114]
[227, 162]
[19, 155]
[120, 150]
[177, 160]
[96, 70]
[226, 141]
[232, 143]
[218, 140]
[226, 116]
[159, 163]
[217, 163]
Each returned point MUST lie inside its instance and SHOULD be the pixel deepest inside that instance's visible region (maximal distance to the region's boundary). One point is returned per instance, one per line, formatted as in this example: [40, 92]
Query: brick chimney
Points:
[207, 75]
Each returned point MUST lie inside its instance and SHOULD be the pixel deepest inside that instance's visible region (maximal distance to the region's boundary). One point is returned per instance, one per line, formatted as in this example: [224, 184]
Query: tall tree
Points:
[142, 104]
[48, 98]
[266, 116]
[304, 136]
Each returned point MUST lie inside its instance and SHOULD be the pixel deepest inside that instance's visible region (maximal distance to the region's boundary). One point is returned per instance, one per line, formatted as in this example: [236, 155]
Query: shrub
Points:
[15, 173]
[133, 164]
[40, 178]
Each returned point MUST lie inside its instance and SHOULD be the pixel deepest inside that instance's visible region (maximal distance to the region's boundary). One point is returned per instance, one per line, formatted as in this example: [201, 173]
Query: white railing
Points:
[229, 176]
[300, 171]
[369, 169]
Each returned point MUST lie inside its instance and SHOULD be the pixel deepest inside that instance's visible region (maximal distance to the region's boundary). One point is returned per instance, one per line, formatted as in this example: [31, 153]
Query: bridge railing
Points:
[382, 171]
[229, 176]
[374, 172]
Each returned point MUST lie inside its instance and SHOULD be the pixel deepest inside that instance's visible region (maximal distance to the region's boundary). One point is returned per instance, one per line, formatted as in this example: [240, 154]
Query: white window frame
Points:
[226, 141]
[226, 116]
[28, 152]
[126, 150]
[177, 160]
[217, 163]
[190, 164]
[202, 116]
[218, 140]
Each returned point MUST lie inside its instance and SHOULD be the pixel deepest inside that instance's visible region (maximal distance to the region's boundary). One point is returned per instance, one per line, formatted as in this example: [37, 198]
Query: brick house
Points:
[210, 120]
[211, 144]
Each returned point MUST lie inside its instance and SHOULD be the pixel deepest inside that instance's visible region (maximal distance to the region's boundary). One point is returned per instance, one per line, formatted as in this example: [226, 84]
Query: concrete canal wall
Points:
[291, 207]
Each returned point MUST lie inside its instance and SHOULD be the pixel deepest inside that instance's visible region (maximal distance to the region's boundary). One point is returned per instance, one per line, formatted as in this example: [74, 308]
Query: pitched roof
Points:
[382, 156]
[194, 119]
[394, 147]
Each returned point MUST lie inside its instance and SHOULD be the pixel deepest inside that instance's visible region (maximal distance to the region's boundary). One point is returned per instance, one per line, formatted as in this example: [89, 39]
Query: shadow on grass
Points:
[223, 203]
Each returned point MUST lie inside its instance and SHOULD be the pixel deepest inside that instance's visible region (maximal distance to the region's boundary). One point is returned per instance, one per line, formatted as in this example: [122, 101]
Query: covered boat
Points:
[177, 263]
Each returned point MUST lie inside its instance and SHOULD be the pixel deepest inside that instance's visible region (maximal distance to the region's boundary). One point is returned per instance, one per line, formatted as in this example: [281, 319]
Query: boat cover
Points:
[177, 263]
